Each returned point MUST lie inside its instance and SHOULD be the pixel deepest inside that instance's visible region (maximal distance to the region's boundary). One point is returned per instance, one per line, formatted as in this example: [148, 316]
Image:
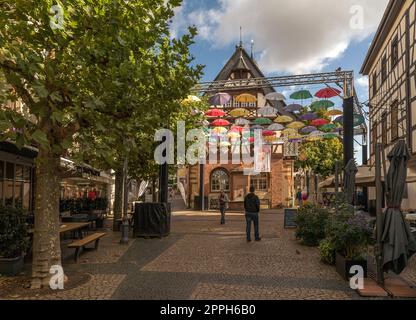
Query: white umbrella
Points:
[275, 96]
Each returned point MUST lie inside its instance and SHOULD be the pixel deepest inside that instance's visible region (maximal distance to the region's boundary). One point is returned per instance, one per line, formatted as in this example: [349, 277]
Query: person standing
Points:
[223, 200]
[252, 209]
[299, 197]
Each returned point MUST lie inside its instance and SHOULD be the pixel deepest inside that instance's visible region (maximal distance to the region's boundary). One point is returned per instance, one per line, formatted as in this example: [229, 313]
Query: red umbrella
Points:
[327, 93]
[268, 133]
[220, 123]
[215, 113]
[319, 122]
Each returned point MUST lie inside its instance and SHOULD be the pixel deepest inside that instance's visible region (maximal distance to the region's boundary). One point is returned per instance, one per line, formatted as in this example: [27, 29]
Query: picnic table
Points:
[70, 226]
[411, 218]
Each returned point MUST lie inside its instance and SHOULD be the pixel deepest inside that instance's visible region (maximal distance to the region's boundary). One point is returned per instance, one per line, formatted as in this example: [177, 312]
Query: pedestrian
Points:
[223, 200]
[299, 197]
[252, 209]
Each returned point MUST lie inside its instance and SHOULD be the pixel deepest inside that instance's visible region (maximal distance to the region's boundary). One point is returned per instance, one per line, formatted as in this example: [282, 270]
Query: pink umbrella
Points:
[268, 133]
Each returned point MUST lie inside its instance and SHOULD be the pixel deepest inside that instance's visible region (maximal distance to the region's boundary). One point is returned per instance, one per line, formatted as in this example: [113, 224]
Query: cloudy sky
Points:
[290, 36]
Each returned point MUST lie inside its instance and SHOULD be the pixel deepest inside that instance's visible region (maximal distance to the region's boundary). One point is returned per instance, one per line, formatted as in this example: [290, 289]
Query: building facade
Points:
[391, 67]
[274, 186]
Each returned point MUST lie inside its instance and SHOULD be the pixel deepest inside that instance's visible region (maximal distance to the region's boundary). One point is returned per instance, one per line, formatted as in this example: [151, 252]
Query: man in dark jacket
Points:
[252, 209]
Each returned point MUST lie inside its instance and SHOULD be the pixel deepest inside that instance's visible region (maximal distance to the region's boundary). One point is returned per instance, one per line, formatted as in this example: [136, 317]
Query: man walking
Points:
[252, 209]
[223, 200]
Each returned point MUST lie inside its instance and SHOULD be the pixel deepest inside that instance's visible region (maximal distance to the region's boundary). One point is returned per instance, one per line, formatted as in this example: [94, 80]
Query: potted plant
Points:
[13, 240]
[350, 235]
[311, 223]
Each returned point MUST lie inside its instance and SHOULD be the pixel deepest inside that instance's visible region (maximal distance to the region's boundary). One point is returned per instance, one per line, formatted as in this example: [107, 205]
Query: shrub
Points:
[13, 232]
[311, 221]
[327, 251]
[350, 234]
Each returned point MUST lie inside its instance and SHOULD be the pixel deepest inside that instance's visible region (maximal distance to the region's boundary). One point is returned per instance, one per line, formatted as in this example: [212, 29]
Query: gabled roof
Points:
[390, 15]
[241, 60]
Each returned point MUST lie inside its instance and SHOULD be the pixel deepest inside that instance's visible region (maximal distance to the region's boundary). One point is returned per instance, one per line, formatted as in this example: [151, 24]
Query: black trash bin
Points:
[151, 220]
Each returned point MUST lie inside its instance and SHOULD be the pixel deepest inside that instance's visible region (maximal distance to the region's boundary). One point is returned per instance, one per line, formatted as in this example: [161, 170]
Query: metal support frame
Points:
[379, 210]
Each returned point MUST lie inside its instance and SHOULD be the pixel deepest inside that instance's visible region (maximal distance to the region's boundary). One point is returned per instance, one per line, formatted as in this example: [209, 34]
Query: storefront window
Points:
[220, 181]
[260, 182]
[15, 185]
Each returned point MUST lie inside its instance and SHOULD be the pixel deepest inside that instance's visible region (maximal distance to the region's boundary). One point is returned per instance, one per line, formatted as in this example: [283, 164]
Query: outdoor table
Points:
[411, 218]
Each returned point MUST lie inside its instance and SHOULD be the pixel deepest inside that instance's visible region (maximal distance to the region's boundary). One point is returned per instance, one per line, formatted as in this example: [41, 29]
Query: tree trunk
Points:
[46, 238]
[154, 195]
[118, 199]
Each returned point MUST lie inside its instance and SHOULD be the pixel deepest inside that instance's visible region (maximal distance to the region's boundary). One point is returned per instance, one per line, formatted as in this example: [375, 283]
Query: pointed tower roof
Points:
[241, 63]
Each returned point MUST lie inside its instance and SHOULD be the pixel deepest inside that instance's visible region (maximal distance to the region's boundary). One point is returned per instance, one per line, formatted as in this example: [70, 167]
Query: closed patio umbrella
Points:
[398, 242]
[349, 181]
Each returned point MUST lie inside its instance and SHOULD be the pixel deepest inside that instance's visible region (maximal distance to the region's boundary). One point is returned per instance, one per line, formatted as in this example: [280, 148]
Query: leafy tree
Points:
[320, 156]
[85, 83]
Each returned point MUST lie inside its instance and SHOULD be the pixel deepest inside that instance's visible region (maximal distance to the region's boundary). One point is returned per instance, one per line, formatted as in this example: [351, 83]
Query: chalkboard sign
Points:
[290, 218]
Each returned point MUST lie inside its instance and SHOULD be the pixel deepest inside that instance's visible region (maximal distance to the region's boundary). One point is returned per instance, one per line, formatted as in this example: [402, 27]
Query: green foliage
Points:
[311, 221]
[327, 251]
[13, 232]
[350, 234]
[320, 156]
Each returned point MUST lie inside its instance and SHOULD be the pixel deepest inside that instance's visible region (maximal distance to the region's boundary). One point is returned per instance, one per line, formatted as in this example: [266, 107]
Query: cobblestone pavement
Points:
[203, 260]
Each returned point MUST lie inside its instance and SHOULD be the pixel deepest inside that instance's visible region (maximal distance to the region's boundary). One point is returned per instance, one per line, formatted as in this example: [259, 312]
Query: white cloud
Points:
[362, 82]
[290, 36]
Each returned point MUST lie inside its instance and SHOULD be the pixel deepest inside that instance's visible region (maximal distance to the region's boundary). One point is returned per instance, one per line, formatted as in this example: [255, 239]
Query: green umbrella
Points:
[329, 136]
[321, 105]
[327, 127]
[301, 95]
[262, 121]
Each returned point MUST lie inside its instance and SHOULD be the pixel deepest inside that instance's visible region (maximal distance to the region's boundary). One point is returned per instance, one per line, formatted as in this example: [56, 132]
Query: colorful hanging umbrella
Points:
[331, 136]
[358, 120]
[263, 121]
[294, 108]
[246, 98]
[219, 130]
[327, 93]
[327, 127]
[275, 127]
[215, 113]
[256, 127]
[314, 138]
[267, 112]
[220, 123]
[233, 135]
[242, 122]
[319, 122]
[220, 99]
[283, 119]
[334, 113]
[275, 96]
[225, 144]
[308, 129]
[289, 131]
[295, 125]
[269, 133]
[295, 138]
[316, 133]
[321, 105]
[239, 112]
[301, 95]
[309, 116]
[191, 99]
[238, 129]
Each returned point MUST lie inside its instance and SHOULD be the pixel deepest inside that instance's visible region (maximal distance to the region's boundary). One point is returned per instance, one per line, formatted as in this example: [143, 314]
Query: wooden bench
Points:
[80, 244]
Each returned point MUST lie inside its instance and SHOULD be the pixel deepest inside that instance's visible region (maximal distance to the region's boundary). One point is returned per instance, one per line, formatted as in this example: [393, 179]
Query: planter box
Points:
[344, 266]
[11, 267]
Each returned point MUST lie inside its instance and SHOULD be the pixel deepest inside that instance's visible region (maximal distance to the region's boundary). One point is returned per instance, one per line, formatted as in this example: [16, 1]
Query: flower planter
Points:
[343, 266]
[11, 267]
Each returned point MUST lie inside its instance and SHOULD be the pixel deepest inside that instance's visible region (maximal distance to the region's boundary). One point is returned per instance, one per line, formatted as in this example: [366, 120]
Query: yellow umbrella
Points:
[289, 131]
[283, 119]
[270, 138]
[240, 112]
[314, 138]
[191, 99]
[225, 144]
[334, 113]
[245, 98]
[233, 135]
[296, 136]
[296, 125]
[219, 130]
